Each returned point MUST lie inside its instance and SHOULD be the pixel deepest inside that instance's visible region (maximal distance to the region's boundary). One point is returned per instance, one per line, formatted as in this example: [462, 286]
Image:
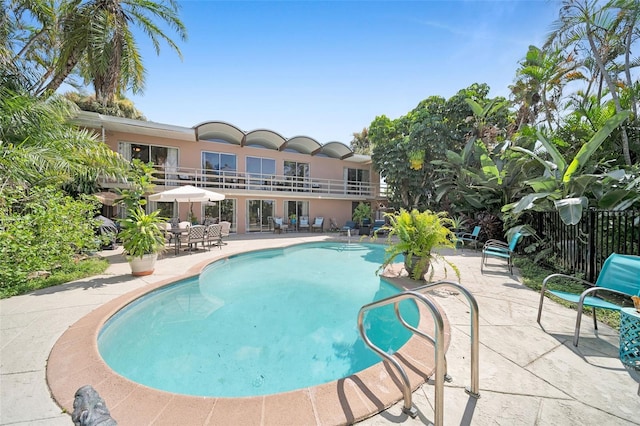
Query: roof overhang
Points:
[93, 120]
[219, 130]
[265, 138]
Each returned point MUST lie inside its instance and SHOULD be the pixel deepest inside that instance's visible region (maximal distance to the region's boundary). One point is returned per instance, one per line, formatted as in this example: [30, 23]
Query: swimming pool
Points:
[258, 323]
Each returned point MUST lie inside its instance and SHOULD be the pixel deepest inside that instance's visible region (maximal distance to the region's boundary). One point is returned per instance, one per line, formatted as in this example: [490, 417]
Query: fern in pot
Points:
[417, 235]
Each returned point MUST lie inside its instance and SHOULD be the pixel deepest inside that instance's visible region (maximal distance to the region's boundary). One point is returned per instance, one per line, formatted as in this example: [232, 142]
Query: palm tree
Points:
[38, 146]
[96, 36]
[544, 74]
[585, 25]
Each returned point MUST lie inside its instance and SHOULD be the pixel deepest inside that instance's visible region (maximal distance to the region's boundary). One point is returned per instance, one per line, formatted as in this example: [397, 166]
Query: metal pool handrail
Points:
[439, 350]
[475, 339]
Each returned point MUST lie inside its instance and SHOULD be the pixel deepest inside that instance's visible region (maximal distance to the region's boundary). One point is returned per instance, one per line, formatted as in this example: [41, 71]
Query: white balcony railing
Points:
[231, 182]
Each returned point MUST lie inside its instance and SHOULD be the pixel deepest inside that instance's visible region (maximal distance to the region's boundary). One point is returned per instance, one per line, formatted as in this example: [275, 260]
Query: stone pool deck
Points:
[528, 375]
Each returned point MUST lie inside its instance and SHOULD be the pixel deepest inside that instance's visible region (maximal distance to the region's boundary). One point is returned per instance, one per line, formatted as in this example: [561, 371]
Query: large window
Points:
[357, 181]
[164, 158]
[295, 169]
[219, 163]
[260, 171]
[296, 172]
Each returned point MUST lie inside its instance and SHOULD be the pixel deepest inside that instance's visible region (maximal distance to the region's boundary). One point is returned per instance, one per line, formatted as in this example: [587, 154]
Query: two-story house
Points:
[261, 173]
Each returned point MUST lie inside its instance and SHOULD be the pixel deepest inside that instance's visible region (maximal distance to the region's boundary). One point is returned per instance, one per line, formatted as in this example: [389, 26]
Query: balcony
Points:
[233, 183]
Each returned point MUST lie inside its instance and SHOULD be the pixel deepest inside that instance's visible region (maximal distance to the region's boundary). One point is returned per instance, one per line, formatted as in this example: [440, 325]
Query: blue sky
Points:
[326, 69]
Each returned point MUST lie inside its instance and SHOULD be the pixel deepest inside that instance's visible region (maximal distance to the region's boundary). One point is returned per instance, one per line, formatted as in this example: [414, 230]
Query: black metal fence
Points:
[583, 248]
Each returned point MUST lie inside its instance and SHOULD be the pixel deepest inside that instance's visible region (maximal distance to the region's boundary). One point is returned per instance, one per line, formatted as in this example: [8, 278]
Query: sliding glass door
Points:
[258, 214]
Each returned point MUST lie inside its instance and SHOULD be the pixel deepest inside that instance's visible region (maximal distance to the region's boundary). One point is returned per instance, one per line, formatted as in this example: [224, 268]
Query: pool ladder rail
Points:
[438, 341]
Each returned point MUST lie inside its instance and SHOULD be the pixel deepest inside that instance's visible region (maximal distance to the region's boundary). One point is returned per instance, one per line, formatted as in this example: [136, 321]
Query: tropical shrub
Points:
[41, 231]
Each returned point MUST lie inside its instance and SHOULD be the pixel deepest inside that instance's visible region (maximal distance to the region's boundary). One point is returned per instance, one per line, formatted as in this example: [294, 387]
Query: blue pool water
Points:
[258, 323]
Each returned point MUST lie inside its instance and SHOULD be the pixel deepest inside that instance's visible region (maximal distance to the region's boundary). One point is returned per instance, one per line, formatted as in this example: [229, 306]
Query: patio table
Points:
[177, 233]
[630, 342]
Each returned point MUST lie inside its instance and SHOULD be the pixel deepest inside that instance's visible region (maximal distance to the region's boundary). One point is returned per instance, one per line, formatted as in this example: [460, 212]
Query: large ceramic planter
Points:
[410, 266]
[144, 265]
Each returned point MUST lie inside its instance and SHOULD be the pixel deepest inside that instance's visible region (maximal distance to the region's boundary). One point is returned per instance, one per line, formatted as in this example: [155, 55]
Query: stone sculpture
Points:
[89, 409]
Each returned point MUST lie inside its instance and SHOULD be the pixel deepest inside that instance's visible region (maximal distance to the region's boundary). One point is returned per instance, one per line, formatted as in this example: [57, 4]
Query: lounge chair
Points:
[500, 249]
[304, 223]
[469, 237]
[620, 275]
[318, 224]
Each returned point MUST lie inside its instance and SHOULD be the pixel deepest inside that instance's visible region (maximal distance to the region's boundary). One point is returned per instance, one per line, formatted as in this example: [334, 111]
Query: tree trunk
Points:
[59, 77]
[614, 94]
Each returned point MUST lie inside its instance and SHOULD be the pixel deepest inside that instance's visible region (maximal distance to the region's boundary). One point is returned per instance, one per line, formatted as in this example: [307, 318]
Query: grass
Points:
[533, 275]
[82, 269]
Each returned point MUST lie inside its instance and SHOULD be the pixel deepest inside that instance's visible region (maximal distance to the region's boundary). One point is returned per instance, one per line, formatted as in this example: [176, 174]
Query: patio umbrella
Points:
[187, 194]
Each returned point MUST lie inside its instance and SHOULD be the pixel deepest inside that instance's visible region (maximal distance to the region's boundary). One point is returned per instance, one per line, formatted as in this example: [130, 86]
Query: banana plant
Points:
[561, 184]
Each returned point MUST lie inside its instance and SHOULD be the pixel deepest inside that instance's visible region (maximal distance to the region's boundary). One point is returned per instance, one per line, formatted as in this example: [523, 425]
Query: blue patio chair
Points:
[620, 275]
[378, 227]
[500, 249]
[348, 226]
[469, 237]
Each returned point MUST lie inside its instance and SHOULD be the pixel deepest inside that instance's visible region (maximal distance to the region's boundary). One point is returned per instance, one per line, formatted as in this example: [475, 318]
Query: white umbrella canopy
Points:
[187, 194]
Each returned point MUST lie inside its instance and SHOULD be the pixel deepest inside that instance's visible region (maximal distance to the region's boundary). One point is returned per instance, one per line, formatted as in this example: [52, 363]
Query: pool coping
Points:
[74, 361]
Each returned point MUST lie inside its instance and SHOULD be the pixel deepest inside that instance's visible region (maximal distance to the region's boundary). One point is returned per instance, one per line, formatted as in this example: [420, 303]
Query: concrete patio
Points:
[528, 375]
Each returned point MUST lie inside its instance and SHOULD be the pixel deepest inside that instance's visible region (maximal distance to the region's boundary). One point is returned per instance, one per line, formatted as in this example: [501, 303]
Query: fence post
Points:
[591, 256]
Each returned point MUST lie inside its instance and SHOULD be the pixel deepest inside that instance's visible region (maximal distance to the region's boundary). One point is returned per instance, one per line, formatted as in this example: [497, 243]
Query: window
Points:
[296, 209]
[294, 169]
[218, 162]
[296, 172]
[357, 181]
[258, 214]
[224, 210]
[260, 171]
[164, 158]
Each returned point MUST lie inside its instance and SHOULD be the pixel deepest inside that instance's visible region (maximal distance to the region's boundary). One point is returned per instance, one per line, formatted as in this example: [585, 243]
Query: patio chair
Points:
[348, 226]
[333, 224]
[469, 237]
[196, 235]
[620, 275]
[304, 223]
[318, 224]
[214, 235]
[279, 225]
[500, 249]
[225, 230]
[378, 227]
[166, 230]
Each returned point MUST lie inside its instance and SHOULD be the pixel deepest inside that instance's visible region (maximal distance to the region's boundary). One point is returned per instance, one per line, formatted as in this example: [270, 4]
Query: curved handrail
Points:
[439, 350]
[475, 340]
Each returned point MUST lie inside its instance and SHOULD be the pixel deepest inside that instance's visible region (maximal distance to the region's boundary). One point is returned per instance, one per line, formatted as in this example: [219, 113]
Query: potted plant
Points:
[140, 233]
[292, 218]
[361, 215]
[416, 235]
[142, 240]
